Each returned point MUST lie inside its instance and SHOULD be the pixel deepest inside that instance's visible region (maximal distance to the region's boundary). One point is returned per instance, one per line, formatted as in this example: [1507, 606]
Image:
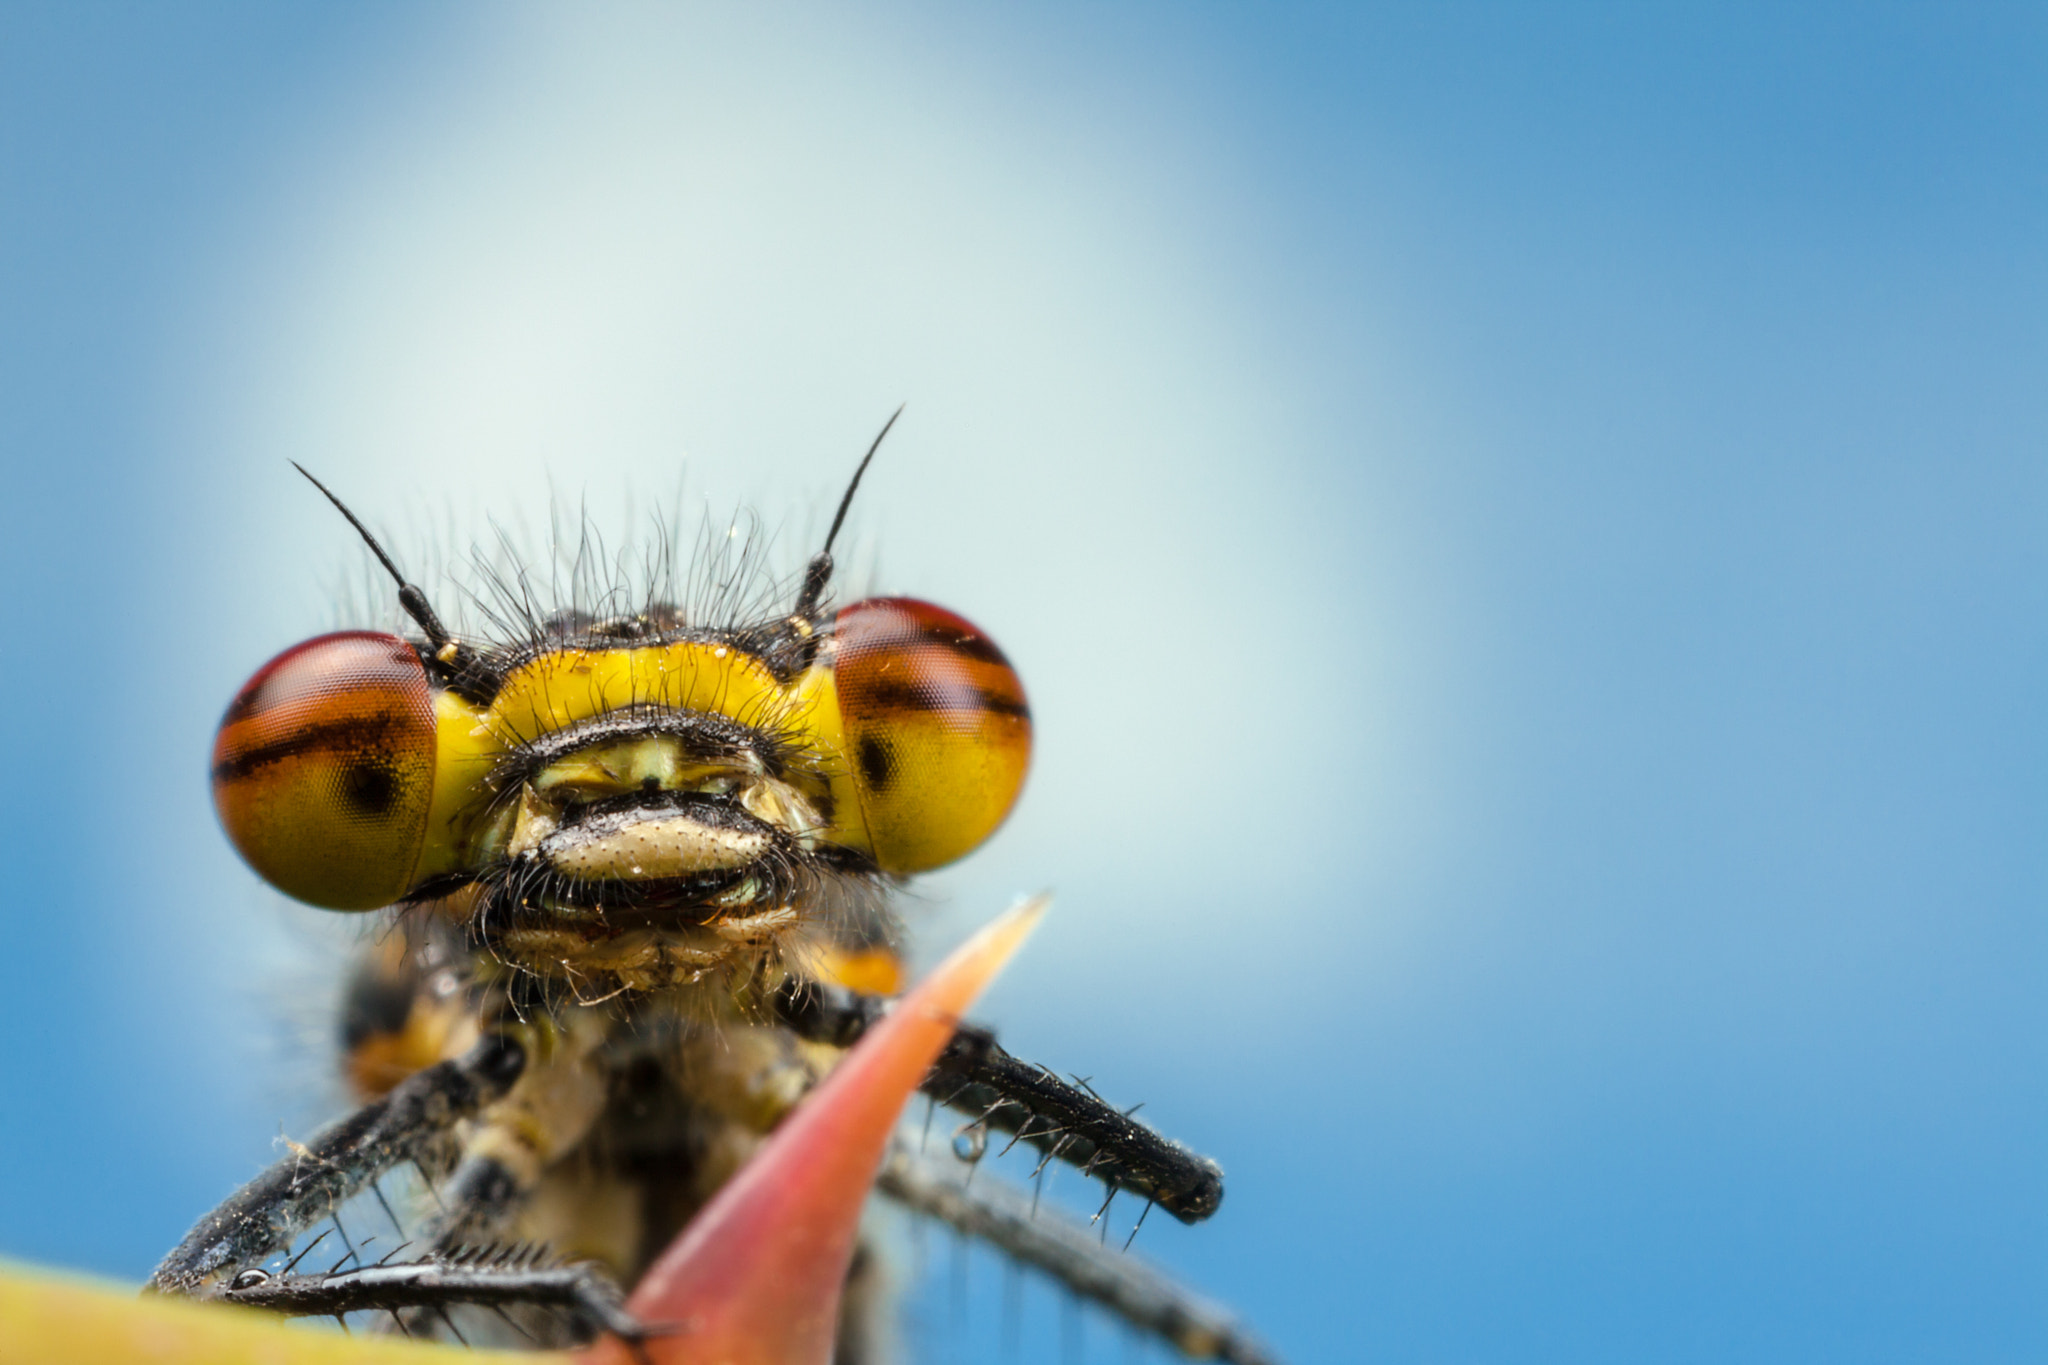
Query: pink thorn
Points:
[755, 1278]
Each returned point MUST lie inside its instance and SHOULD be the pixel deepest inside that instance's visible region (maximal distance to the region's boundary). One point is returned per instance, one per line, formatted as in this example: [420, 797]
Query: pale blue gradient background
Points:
[1524, 527]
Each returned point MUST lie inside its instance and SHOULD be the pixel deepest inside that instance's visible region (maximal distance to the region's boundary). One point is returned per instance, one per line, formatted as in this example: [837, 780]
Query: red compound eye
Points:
[937, 730]
[324, 768]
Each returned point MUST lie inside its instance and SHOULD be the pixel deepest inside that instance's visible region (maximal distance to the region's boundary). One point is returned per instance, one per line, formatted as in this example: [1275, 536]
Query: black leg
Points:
[476, 1203]
[265, 1216]
[1064, 1121]
[1126, 1286]
[502, 1277]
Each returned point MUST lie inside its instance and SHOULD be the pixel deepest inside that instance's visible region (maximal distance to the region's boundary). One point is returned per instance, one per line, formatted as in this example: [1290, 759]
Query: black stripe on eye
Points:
[249, 702]
[953, 698]
[979, 648]
[361, 735]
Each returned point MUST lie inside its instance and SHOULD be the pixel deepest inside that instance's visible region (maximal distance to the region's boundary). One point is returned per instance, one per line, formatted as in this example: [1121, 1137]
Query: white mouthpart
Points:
[651, 849]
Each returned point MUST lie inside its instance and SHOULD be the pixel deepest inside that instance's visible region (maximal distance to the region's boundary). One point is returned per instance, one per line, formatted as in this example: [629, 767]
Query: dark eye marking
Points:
[949, 695]
[358, 738]
[978, 648]
[370, 786]
[877, 762]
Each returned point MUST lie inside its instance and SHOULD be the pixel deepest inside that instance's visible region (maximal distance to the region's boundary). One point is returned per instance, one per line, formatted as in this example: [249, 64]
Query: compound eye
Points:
[937, 730]
[324, 767]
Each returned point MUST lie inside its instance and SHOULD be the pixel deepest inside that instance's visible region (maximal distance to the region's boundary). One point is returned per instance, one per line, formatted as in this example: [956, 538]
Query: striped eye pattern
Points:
[937, 730]
[323, 769]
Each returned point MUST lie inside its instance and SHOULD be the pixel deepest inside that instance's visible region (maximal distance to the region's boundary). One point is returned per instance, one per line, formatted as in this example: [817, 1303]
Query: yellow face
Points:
[638, 798]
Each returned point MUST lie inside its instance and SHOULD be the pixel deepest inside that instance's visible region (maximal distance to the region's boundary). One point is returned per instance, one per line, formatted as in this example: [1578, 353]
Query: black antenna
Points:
[819, 571]
[411, 598]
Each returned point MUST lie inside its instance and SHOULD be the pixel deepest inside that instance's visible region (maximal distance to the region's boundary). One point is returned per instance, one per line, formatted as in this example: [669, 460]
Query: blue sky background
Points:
[1522, 525]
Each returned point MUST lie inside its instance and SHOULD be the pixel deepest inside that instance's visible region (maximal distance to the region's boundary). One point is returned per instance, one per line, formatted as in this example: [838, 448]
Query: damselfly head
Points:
[633, 800]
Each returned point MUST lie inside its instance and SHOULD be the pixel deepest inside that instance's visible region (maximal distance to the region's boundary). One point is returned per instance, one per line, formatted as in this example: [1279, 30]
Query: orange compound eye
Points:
[324, 767]
[937, 730]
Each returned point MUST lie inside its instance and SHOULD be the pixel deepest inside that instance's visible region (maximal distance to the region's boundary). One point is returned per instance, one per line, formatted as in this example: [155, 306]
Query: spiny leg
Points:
[1064, 1121]
[476, 1208]
[497, 1278]
[505, 1155]
[1006, 1219]
[265, 1216]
